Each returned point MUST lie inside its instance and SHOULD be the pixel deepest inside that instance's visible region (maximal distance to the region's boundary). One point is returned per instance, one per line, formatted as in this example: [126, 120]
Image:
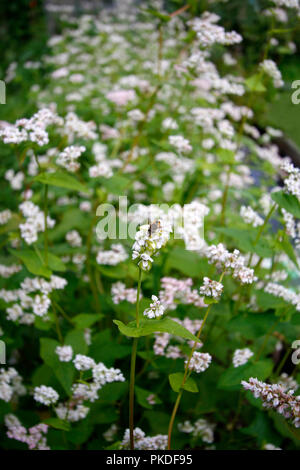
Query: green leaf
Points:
[32, 262]
[57, 423]
[142, 395]
[232, 377]
[254, 83]
[289, 202]
[85, 320]
[176, 381]
[75, 338]
[62, 180]
[64, 371]
[147, 327]
[287, 247]
[116, 184]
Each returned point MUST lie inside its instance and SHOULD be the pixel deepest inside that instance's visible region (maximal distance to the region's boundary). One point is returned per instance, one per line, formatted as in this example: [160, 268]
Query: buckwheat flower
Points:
[41, 305]
[274, 396]
[136, 115]
[121, 97]
[5, 216]
[82, 362]
[287, 3]
[199, 362]
[181, 144]
[205, 430]
[117, 254]
[155, 310]
[271, 69]
[211, 288]
[292, 182]
[143, 442]
[45, 395]
[86, 392]
[287, 382]
[8, 271]
[103, 375]
[110, 433]
[241, 356]
[186, 427]
[271, 447]
[149, 239]
[244, 275]
[73, 238]
[68, 158]
[65, 353]
[169, 123]
[119, 293]
[250, 216]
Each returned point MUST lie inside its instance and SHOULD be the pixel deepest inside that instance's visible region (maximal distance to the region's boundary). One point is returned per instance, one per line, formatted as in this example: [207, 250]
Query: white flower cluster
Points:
[274, 396]
[209, 33]
[73, 238]
[156, 308]
[287, 382]
[181, 144]
[241, 356]
[175, 291]
[292, 182]
[286, 294]
[149, 239]
[211, 288]
[5, 216]
[287, 3]
[33, 129]
[179, 166]
[117, 254]
[199, 362]
[271, 69]
[121, 97]
[120, 292]
[7, 271]
[10, 384]
[250, 216]
[35, 222]
[201, 428]
[68, 158]
[15, 179]
[143, 442]
[74, 126]
[45, 395]
[65, 353]
[230, 262]
[34, 437]
[74, 410]
[37, 304]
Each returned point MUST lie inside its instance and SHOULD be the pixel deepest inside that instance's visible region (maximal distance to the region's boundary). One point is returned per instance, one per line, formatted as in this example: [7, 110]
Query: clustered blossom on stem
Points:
[74, 409]
[35, 222]
[250, 216]
[148, 241]
[156, 308]
[10, 384]
[274, 396]
[65, 353]
[230, 262]
[143, 442]
[120, 292]
[209, 33]
[282, 292]
[201, 428]
[73, 238]
[68, 158]
[181, 144]
[5, 216]
[7, 271]
[33, 298]
[179, 291]
[34, 437]
[162, 346]
[211, 288]
[271, 69]
[45, 395]
[117, 254]
[241, 356]
[292, 182]
[199, 362]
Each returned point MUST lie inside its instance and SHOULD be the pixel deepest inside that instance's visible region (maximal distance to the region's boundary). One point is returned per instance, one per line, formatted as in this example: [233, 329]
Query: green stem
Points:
[132, 366]
[45, 223]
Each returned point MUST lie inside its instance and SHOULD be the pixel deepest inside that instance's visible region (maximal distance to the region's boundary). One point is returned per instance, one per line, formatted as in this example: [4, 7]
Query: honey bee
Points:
[153, 227]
